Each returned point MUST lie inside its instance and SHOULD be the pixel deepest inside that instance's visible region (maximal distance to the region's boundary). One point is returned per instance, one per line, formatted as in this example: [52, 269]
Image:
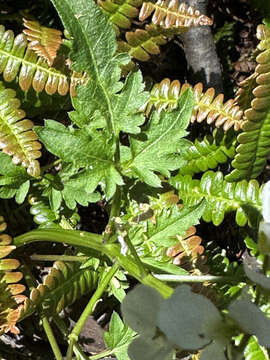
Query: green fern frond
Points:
[169, 13]
[208, 153]
[244, 95]
[11, 298]
[18, 60]
[141, 44]
[65, 283]
[120, 12]
[221, 196]
[17, 138]
[254, 141]
[207, 107]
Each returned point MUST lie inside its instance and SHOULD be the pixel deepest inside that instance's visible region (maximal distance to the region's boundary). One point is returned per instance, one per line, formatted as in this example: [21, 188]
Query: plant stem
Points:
[38, 257]
[89, 309]
[51, 338]
[136, 257]
[94, 242]
[196, 279]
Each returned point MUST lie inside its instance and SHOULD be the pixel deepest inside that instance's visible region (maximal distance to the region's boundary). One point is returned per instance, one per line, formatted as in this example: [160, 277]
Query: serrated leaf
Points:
[94, 51]
[172, 222]
[95, 153]
[157, 148]
[118, 338]
[254, 351]
[127, 103]
[14, 179]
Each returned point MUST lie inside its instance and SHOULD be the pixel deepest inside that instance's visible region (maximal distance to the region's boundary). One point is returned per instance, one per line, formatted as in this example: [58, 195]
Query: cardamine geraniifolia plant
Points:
[134, 151]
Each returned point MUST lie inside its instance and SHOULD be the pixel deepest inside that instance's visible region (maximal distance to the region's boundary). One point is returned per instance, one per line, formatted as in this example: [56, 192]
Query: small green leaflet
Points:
[157, 148]
[172, 222]
[95, 153]
[254, 351]
[118, 338]
[14, 179]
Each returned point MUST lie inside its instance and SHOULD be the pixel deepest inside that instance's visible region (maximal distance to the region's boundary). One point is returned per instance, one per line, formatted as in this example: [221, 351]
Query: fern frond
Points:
[142, 43]
[17, 138]
[189, 245]
[220, 195]
[44, 41]
[11, 298]
[206, 107]
[244, 95]
[169, 13]
[254, 141]
[120, 12]
[207, 154]
[18, 60]
[65, 283]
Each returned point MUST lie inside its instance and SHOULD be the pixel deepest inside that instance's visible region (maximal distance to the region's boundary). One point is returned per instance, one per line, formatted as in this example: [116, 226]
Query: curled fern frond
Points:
[44, 41]
[207, 107]
[208, 153]
[18, 60]
[65, 283]
[17, 138]
[220, 195]
[43, 215]
[254, 141]
[11, 298]
[121, 12]
[169, 13]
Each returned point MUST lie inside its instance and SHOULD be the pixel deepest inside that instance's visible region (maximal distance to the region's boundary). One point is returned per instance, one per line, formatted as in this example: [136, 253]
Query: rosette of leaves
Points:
[11, 298]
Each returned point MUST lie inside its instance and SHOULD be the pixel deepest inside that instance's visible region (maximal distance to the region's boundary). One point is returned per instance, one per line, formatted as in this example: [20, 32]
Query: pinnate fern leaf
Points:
[141, 44]
[17, 138]
[65, 283]
[16, 59]
[203, 155]
[220, 195]
[44, 41]
[254, 141]
[206, 107]
[169, 13]
[11, 298]
[121, 12]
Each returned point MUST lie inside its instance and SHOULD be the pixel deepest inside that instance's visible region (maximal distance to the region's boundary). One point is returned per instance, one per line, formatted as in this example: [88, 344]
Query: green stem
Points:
[136, 257]
[100, 355]
[37, 257]
[94, 242]
[64, 330]
[89, 308]
[196, 279]
[51, 338]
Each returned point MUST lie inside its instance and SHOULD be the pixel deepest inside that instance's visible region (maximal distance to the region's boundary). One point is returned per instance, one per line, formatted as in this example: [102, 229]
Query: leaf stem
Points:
[38, 257]
[89, 308]
[196, 279]
[51, 338]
